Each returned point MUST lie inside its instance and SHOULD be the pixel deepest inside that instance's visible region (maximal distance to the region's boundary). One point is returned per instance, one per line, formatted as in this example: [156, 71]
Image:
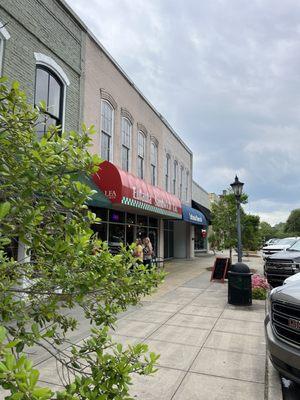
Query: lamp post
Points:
[237, 188]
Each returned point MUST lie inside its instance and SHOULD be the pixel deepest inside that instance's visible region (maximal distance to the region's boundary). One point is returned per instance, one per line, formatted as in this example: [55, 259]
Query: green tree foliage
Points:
[251, 237]
[224, 225]
[266, 231]
[292, 225]
[42, 206]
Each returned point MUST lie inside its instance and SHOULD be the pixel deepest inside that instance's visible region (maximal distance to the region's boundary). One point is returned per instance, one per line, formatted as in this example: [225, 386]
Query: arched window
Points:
[107, 128]
[153, 163]
[50, 89]
[175, 171]
[126, 143]
[167, 172]
[141, 154]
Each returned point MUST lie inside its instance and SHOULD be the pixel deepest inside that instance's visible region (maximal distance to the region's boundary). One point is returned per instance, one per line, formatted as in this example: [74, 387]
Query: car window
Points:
[296, 246]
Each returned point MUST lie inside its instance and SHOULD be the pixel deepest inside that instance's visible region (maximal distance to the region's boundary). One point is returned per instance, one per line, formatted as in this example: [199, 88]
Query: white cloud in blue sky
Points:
[226, 75]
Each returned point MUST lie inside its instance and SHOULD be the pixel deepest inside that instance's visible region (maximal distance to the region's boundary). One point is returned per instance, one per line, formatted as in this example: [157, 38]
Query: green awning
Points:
[98, 199]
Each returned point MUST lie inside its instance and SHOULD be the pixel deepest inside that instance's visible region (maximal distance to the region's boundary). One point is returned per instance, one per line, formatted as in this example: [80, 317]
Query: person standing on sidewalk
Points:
[148, 252]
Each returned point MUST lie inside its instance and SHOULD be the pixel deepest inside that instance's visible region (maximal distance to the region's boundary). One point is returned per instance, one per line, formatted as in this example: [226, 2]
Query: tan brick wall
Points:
[101, 73]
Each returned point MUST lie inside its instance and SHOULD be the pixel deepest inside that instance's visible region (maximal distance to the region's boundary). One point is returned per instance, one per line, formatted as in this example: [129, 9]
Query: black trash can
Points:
[239, 285]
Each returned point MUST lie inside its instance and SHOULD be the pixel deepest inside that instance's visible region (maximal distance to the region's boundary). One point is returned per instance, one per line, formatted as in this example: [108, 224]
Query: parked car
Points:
[283, 264]
[270, 241]
[282, 330]
[292, 279]
[281, 244]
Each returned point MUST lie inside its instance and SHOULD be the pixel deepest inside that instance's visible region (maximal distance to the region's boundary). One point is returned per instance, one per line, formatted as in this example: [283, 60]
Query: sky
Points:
[226, 76]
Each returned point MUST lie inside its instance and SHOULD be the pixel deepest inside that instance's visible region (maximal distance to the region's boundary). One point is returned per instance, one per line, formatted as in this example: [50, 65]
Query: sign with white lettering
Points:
[124, 188]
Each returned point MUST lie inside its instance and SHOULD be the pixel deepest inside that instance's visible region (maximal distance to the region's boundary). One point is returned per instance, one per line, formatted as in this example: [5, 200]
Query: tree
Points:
[224, 224]
[251, 237]
[42, 207]
[292, 225]
[266, 231]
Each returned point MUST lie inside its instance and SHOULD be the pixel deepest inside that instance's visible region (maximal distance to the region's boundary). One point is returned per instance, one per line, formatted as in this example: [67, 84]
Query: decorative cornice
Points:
[42, 59]
[154, 140]
[4, 31]
[125, 113]
[108, 97]
[142, 128]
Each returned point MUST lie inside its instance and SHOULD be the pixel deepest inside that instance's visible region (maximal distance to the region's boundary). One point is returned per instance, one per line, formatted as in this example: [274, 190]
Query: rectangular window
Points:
[153, 165]
[106, 130]
[175, 176]
[186, 185]
[181, 183]
[126, 142]
[141, 155]
[167, 172]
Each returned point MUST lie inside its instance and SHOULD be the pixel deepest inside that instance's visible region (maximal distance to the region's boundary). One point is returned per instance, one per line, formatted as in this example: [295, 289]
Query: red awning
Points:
[123, 188]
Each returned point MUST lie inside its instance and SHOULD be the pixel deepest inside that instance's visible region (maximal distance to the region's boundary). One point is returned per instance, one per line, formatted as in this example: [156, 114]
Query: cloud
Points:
[226, 75]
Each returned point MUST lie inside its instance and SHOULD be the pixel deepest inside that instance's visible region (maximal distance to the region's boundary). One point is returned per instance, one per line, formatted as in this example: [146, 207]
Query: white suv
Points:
[280, 245]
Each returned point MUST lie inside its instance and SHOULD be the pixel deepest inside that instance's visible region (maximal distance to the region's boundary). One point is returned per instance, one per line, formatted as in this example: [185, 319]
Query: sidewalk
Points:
[209, 349]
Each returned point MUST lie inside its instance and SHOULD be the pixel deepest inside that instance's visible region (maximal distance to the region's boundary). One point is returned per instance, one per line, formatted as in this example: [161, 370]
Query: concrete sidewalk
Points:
[209, 349]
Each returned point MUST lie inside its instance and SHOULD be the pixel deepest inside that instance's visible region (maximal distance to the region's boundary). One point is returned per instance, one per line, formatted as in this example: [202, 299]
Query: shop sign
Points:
[124, 188]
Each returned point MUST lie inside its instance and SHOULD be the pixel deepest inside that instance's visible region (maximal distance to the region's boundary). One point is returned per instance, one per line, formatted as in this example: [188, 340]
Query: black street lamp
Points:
[237, 188]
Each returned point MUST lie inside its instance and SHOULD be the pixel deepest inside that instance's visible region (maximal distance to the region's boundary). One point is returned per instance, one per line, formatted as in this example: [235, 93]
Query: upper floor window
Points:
[153, 163]
[4, 35]
[107, 125]
[187, 185]
[167, 172]
[49, 89]
[175, 171]
[126, 143]
[141, 154]
[181, 183]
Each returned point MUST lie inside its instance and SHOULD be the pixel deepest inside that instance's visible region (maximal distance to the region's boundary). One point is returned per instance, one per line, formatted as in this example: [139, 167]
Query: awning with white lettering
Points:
[125, 189]
[193, 216]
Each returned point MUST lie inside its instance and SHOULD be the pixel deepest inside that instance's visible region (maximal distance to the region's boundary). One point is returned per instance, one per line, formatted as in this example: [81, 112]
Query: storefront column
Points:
[161, 238]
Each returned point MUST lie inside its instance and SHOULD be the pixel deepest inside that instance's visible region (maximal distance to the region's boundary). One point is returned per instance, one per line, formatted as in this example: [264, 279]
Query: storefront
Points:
[193, 227]
[137, 210]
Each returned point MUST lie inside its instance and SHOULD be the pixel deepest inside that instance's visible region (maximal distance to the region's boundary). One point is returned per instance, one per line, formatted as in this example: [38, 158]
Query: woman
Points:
[138, 251]
[148, 252]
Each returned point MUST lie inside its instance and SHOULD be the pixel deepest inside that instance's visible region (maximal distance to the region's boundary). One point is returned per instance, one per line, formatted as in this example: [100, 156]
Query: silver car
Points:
[282, 329]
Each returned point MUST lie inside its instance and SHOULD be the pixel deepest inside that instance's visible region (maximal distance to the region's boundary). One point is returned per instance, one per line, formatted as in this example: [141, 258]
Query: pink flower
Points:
[259, 281]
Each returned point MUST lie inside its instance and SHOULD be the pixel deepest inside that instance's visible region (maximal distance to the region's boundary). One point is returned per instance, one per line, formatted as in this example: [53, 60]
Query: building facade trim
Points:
[125, 113]
[108, 97]
[4, 31]
[142, 128]
[42, 59]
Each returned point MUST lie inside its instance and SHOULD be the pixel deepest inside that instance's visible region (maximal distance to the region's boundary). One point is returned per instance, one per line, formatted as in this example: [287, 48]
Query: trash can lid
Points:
[240, 268]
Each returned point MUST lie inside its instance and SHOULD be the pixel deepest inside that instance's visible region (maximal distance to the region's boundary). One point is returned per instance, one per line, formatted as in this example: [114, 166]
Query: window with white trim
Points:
[4, 35]
[175, 169]
[126, 143]
[181, 183]
[153, 163]
[167, 172]
[50, 89]
[186, 185]
[107, 128]
[141, 154]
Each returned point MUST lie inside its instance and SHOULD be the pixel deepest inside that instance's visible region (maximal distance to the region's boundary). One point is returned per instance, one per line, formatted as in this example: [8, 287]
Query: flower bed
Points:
[260, 287]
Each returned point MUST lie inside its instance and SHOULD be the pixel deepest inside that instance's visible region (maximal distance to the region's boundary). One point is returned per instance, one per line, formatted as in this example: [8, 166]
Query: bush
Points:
[259, 293]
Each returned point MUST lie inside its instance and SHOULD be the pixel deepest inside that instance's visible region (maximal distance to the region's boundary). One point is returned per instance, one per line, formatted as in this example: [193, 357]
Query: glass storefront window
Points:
[142, 220]
[168, 239]
[200, 243]
[153, 222]
[100, 212]
[100, 230]
[116, 216]
[131, 218]
[116, 234]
